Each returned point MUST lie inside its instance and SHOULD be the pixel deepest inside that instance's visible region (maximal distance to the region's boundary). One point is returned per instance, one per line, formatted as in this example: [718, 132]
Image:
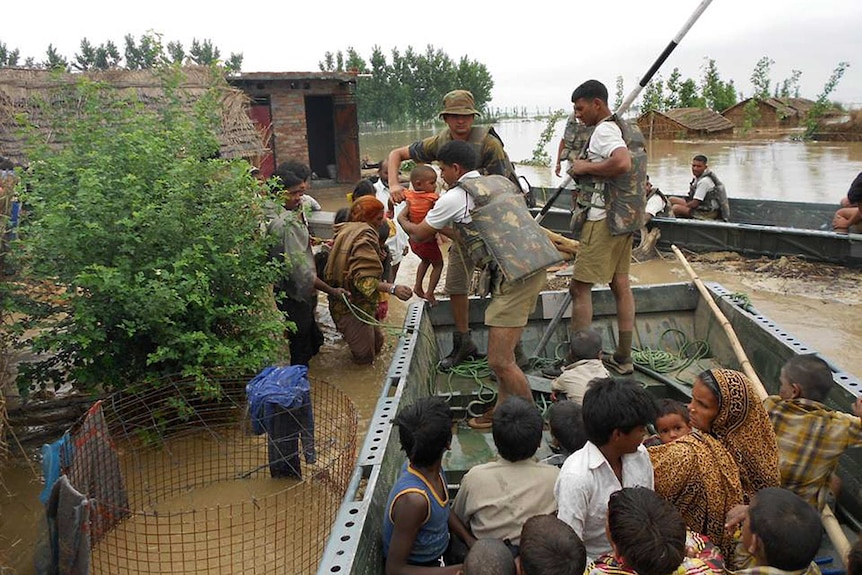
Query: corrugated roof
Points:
[699, 119]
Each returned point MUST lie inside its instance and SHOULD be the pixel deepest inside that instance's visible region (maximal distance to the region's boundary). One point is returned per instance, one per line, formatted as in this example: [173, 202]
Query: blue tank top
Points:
[433, 537]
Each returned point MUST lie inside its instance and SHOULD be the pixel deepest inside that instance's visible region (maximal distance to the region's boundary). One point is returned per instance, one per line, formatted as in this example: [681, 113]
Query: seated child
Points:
[567, 431]
[671, 423]
[779, 531]
[489, 557]
[421, 198]
[417, 520]
[811, 437]
[649, 537]
[616, 413]
[550, 546]
[496, 498]
[585, 353]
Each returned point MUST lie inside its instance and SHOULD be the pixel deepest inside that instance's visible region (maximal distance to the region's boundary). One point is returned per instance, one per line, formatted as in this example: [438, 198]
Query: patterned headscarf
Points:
[366, 209]
[742, 426]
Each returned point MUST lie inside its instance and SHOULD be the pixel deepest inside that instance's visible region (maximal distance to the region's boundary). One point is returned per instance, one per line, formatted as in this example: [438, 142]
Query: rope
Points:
[662, 361]
[477, 370]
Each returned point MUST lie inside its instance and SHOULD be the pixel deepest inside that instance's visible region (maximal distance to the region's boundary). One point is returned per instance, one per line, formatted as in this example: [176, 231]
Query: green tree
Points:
[760, 77]
[822, 104]
[789, 86]
[672, 97]
[103, 57]
[653, 95]
[156, 245]
[688, 96]
[8, 58]
[716, 94]
[147, 53]
[176, 53]
[54, 60]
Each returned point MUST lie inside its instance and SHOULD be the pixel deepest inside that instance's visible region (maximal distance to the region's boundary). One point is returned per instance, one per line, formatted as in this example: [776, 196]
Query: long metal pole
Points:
[623, 107]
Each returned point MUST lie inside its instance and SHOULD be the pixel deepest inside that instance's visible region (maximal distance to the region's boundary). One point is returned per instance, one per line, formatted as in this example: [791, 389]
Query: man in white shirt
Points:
[702, 201]
[616, 413]
[511, 303]
[603, 257]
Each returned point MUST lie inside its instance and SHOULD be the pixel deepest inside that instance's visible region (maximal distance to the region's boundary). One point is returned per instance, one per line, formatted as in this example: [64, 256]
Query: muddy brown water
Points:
[821, 310]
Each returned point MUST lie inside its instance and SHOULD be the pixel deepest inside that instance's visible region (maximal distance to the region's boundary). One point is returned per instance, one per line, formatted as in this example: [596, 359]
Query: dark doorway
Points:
[261, 113]
[321, 136]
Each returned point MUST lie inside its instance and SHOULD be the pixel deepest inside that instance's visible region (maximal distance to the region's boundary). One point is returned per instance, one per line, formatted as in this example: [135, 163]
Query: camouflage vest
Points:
[502, 232]
[716, 198]
[624, 195]
[477, 138]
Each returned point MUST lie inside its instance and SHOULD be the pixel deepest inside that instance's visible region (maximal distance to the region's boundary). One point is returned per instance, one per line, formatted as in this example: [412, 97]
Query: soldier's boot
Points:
[463, 349]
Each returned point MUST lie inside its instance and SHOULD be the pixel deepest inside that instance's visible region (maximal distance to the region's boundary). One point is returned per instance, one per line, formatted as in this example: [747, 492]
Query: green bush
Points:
[154, 243]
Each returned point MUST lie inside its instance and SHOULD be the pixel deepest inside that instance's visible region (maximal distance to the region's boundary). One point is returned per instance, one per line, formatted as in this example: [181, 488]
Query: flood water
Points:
[823, 315]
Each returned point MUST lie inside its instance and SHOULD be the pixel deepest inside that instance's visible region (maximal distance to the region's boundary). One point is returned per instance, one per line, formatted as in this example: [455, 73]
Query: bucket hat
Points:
[459, 103]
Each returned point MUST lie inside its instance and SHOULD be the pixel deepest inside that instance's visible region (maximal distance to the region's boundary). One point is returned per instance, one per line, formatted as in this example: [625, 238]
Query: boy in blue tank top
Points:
[417, 521]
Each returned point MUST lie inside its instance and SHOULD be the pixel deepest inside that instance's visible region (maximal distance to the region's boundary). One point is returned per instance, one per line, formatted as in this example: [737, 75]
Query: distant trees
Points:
[409, 86]
[138, 54]
[711, 92]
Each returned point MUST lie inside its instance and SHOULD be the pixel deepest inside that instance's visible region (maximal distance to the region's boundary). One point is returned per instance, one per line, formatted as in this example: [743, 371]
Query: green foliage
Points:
[540, 155]
[8, 58]
[54, 60]
[717, 95]
[155, 245]
[653, 95]
[789, 86]
[750, 115]
[409, 86]
[672, 98]
[822, 104]
[103, 57]
[760, 77]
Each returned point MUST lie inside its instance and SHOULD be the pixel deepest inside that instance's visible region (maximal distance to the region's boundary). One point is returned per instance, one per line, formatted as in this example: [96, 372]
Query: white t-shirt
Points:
[655, 204]
[584, 488]
[398, 242]
[703, 187]
[453, 207]
[606, 138]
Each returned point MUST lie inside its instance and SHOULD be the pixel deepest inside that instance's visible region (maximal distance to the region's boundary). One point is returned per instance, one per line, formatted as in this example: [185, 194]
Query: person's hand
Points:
[396, 193]
[403, 292]
[857, 407]
[557, 168]
[839, 222]
[735, 517]
[340, 293]
[404, 214]
[579, 167]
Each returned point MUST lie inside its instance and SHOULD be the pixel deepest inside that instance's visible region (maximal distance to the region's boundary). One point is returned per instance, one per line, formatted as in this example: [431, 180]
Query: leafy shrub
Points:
[153, 242]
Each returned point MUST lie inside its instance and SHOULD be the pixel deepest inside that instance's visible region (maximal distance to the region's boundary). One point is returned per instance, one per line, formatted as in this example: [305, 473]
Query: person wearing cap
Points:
[459, 112]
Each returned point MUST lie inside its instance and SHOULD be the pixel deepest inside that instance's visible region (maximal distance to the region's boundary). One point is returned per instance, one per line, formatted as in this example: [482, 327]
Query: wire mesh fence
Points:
[178, 484]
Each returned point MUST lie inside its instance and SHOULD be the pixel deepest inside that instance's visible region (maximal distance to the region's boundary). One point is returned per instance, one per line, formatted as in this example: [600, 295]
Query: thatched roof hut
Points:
[684, 123]
[771, 112]
[25, 91]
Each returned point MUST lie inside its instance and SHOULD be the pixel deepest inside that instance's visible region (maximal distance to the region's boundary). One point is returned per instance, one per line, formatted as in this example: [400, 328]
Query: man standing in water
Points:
[604, 256]
[459, 113]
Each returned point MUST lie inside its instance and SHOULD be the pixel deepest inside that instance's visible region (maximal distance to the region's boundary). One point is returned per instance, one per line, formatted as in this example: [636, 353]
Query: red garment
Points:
[427, 251]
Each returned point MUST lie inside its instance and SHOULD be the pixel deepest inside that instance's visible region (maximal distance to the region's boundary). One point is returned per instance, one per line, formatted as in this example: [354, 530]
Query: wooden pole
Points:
[830, 522]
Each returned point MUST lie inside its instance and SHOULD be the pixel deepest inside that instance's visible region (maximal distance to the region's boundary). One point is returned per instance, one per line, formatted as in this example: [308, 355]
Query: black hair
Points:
[589, 90]
[287, 177]
[300, 170]
[489, 557]
[667, 406]
[788, 527]
[854, 194]
[567, 425]
[550, 545]
[854, 558]
[341, 216]
[458, 152]
[421, 172]
[711, 383]
[811, 373]
[611, 404]
[425, 430]
[585, 344]
[647, 530]
[700, 158]
[363, 188]
[517, 428]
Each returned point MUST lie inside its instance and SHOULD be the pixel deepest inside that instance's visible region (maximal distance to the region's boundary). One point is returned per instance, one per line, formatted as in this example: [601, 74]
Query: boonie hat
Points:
[459, 103]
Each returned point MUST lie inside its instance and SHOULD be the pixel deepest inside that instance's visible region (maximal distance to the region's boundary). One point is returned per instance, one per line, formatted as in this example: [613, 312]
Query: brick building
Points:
[307, 116]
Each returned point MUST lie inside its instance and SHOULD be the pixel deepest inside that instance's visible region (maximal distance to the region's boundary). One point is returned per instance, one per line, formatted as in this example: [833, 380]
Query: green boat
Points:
[670, 317]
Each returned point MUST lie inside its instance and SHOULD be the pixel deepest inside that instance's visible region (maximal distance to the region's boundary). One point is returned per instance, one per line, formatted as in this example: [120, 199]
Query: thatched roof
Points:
[21, 91]
[781, 108]
[696, 119]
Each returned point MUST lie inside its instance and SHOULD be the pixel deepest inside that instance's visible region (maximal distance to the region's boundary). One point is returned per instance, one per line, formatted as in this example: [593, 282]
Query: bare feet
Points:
[417, 290]
[429, 297]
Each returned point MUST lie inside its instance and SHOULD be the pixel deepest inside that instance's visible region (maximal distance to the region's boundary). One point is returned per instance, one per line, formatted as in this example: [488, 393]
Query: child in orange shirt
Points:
[421, 198]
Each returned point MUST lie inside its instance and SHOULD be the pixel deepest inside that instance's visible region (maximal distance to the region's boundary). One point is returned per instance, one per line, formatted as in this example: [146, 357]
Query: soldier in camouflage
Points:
[459, 113]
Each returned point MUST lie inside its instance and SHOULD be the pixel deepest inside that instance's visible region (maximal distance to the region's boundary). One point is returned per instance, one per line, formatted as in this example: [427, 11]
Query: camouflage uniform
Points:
[492, 157]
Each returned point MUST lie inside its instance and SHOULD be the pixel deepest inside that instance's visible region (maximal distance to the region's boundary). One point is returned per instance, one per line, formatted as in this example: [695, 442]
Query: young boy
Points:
[417, 520]
[566, 421]
[421, 198]
[550, 546]
[811, 437]
[585, 353]
[672, 421]
[496, 498]
[616, 413]
[489, 557]
[649, 537]
[781, 534]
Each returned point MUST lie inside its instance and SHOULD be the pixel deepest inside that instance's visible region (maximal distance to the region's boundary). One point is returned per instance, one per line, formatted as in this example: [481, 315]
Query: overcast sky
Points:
[536, 51]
